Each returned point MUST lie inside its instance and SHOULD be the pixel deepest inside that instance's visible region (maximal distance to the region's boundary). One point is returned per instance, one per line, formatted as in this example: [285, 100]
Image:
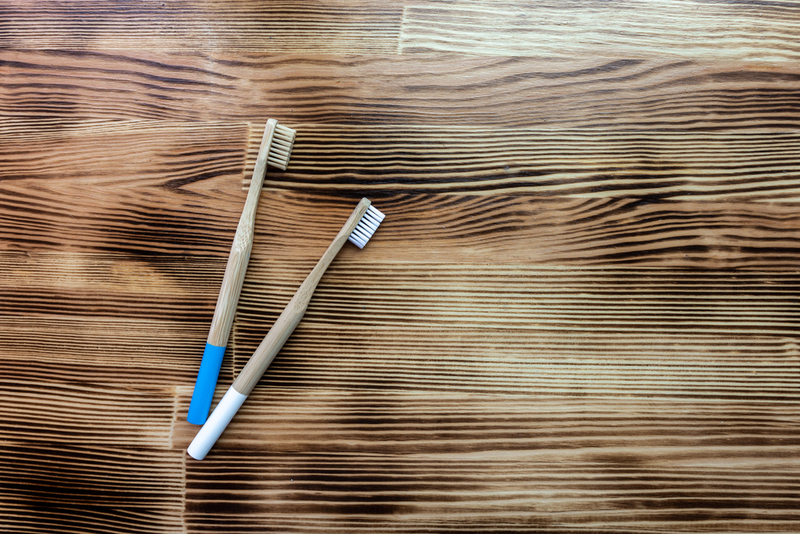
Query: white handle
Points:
[219, 419]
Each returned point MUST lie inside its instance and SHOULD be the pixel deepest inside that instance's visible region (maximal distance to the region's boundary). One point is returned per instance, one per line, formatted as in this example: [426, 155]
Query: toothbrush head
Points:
[366, 227]
[281, 149]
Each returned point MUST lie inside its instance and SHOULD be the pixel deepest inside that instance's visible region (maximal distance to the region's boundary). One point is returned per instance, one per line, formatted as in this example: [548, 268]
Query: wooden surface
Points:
[580, 314]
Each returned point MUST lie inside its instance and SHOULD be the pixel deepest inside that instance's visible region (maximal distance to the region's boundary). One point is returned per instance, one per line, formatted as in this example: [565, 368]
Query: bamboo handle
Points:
[240, 250]
[228, 298]
[295, 310]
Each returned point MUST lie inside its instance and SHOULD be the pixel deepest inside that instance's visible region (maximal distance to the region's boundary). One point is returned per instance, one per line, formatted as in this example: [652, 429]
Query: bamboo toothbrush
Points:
[358, 229]
[275, 150]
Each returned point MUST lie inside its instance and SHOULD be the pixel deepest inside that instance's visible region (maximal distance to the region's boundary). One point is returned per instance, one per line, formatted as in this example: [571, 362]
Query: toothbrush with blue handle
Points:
[275, 150]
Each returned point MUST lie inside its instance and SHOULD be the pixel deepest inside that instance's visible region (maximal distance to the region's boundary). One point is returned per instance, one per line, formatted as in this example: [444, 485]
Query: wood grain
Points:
[665, 318]
[451, 463]
[572, 163]
[85, 414]
[239, 25]
[578, 316]
[679, 28]
[571, 196]
[515, 330]
[717, 29]
[58, 189]
[507, 228]
[77, 285]
[109, 351]
[497, 92]
[646, 232]
[63, 488]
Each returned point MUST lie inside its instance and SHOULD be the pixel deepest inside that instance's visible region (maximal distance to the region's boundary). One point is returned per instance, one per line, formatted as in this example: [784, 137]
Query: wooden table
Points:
[580, 315]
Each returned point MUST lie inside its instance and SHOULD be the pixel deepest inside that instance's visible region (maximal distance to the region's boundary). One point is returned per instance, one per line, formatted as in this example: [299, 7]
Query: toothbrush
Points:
[358, 229]
[275, 150]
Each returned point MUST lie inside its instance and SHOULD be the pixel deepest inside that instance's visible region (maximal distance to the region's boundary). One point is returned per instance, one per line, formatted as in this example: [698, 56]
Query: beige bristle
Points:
[280, 150]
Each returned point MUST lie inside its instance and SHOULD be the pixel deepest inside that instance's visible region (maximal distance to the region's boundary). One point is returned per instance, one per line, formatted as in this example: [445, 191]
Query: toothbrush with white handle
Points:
[358, 229]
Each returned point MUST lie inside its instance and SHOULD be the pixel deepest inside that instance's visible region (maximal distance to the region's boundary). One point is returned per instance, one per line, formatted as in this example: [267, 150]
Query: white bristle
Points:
[281, 148]
[366, 227]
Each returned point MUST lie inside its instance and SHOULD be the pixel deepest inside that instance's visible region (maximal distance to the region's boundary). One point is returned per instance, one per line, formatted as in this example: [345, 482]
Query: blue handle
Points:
[206, 384]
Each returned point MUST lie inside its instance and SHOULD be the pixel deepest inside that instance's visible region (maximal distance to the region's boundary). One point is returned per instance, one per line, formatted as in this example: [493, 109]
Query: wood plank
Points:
[532, 229]
[414, 424]
[59, 192]
[60, 488]
[579, 315]
[376, 460]
[515, 228]
[106, 319]
[717, 29]
[559, 330]
[199, 159]
[573, 163]
[112, 352]
[415, 90]
[204, 25]
[517, 329]
[124, 154]
[150, 288]
[68, 186]
[679, 28]
[86, 414]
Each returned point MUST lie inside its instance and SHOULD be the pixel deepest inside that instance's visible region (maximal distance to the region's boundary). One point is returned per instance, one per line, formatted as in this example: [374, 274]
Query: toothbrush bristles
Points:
[366, 227]
[281, 149]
